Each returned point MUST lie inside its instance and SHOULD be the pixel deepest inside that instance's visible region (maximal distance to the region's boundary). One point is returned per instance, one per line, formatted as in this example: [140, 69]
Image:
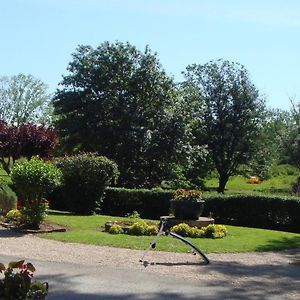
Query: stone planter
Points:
[188, 210]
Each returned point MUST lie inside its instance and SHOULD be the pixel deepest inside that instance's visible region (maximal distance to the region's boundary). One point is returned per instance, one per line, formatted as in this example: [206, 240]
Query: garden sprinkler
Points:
[165, 230]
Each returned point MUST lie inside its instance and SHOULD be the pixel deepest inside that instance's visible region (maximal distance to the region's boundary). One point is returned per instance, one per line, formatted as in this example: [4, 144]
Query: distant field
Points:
[237, 184]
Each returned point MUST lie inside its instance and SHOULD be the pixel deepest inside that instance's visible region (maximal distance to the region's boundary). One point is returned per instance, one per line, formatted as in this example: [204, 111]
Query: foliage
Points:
[116, 229]
[142, 228]
[85, 177]
[231, 112]
[210, 231]
[33, 213]
[14, 215]
[270, 212]
[18, 284]
[118, 102]
[148, 203]
[290, 135]
[26, 141]
[23, 99]
[8, 198]
[32, 180]
[296, 187]
[187, 195]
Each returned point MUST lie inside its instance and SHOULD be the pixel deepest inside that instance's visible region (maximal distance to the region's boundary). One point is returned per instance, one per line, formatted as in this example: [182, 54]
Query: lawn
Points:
[238, 184]
[87, 230]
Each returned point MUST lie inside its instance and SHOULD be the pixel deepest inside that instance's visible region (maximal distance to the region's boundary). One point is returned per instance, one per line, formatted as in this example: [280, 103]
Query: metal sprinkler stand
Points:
[164, 230]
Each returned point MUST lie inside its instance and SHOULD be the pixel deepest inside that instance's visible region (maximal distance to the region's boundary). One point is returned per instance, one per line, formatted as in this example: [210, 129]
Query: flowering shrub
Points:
[18, 284]
[116, 229]
[187, 195]
[137, 228]
[14, 215]
[211, 231]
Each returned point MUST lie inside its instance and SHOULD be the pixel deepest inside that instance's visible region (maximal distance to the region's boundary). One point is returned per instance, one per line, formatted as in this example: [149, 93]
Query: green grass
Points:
[87, 230]
[238, 184]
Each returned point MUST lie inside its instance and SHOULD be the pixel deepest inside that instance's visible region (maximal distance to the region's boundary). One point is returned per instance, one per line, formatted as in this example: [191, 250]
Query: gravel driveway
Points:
[275, 272]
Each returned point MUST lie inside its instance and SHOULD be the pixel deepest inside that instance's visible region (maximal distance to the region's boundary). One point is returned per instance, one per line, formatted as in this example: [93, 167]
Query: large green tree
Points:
[23, 99]
[119, 102]
[231, 114]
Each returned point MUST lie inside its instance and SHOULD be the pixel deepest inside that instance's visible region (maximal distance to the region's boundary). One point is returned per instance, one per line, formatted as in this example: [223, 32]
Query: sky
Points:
[39, 36]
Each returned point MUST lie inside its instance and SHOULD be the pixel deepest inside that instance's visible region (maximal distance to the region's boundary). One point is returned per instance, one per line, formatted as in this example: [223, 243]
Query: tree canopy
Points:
[24, 99]
[119, 102]
[231, 113]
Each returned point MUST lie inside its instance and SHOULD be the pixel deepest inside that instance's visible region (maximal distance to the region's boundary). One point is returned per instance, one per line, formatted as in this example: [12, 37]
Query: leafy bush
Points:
[150, 204]
[261, 211]
[33, 213]
[18, 285]
[14, 215]
[138, 228]
[116, 229]
[32, 180]
[8, 198]
[142, 228]
[85, 177]
[210, 231]
[182, 229]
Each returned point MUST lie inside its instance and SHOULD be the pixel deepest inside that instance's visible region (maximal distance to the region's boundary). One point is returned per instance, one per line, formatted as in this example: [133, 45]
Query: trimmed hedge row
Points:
[269, 212]
[150, 204]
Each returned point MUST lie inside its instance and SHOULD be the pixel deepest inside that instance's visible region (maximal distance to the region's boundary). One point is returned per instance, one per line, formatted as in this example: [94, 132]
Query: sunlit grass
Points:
[238, 184]
[87, 230]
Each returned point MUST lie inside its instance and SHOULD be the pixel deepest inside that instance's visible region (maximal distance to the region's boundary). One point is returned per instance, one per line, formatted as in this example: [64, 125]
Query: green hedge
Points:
[150, 204]
[269, 212]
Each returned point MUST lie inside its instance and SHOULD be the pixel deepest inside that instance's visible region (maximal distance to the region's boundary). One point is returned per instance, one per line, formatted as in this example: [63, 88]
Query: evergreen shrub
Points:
[85, 177]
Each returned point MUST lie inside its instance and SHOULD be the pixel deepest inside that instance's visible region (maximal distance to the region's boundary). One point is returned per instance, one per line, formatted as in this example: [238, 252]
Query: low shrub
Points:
[85, 177]
[116, 229]
[150, 204]
[138, 228]
[8, 198]
[211, 231]
[14, 216]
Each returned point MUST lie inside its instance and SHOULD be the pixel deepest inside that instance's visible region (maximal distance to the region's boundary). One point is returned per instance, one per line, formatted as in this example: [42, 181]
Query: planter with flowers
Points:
[187, 204]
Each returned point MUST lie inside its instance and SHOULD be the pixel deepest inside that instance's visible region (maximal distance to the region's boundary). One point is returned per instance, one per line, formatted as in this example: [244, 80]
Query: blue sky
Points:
[38, 36]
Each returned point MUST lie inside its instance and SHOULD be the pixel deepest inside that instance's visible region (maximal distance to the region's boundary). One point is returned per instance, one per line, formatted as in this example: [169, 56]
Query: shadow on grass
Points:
[60, 213]
[280, 244]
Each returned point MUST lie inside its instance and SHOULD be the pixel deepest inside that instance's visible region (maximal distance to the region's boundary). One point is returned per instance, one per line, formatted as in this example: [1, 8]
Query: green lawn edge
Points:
[88, 230]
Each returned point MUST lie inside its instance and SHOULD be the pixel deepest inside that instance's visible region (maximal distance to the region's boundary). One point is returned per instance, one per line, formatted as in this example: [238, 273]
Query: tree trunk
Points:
[223, 178]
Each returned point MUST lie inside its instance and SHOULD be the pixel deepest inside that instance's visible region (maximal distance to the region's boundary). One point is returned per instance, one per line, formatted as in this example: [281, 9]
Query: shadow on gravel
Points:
[9, 233]
[257, 281]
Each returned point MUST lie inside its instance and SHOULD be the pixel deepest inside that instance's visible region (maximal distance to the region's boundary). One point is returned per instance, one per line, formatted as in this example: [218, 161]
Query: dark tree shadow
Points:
[281, 244]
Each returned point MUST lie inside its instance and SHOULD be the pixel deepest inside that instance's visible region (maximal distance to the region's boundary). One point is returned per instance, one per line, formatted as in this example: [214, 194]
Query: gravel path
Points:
[277, 272]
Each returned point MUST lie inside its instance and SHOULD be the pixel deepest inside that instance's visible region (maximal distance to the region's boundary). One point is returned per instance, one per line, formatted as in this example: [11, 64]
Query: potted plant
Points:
[187, 204]
[17, 283]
